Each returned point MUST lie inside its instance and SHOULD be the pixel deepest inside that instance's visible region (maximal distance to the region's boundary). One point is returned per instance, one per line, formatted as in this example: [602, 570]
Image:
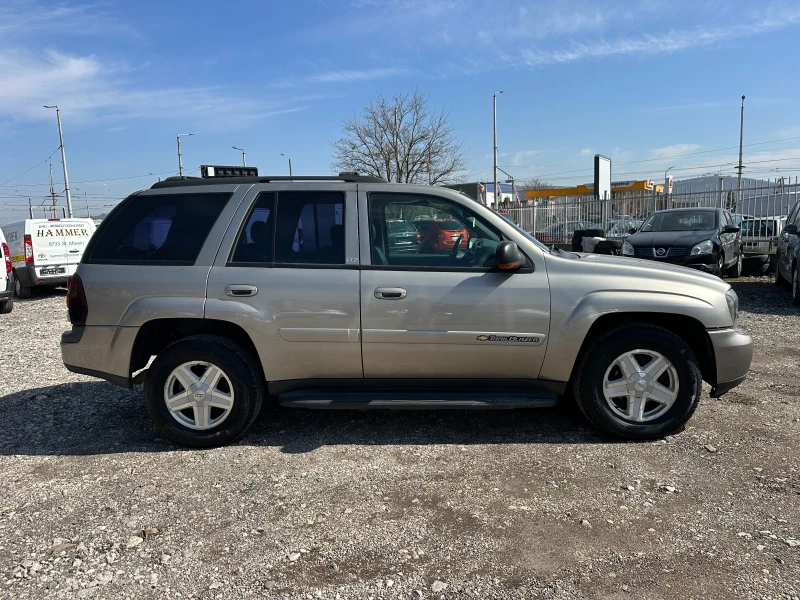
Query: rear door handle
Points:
[387, 293]
[238, 290]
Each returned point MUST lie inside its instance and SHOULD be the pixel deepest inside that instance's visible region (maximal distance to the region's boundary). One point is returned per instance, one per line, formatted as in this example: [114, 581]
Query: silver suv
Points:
[244, 288]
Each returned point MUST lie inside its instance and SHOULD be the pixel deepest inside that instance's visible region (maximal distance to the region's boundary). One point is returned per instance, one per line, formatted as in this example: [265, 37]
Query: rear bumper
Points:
[100, 351]
[28, 278]
[733, 352]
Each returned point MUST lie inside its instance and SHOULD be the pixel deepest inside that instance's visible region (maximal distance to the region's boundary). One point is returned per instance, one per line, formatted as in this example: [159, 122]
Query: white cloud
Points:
[521, 157]
[31, 19]
[675, 150]
[87, 87]
[586, 152]
[777, 16]
[343, 76]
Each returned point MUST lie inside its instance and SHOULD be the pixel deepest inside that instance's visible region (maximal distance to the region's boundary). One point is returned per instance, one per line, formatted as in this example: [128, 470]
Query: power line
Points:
[32, 168]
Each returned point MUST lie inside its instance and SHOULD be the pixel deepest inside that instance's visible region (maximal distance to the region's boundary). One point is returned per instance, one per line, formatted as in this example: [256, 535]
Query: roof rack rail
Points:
[191, 181]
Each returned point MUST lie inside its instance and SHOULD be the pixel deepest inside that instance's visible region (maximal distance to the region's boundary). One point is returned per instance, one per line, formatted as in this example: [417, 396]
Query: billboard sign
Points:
[602, 177]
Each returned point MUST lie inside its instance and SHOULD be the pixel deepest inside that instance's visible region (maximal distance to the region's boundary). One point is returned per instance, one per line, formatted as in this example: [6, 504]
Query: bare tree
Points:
[400, 139]
[536, 184]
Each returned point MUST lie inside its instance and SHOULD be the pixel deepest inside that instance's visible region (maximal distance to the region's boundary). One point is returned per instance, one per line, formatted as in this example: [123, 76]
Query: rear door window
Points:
[161, 229]
[255, 242]
[309, 228]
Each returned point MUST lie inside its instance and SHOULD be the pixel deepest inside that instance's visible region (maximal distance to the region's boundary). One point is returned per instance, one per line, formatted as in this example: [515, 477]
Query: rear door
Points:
[58, 245]
[287, 273]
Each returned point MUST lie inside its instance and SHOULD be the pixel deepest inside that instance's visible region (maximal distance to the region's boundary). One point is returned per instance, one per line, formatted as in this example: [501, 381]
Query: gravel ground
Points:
[522, 504]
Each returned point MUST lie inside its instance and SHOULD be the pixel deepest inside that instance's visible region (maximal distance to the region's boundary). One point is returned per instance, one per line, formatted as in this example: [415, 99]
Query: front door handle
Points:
[387, 293]
[238, 290]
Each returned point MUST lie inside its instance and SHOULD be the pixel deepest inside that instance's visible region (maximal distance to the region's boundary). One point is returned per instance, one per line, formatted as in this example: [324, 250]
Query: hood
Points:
[649, 269]
[666, 239]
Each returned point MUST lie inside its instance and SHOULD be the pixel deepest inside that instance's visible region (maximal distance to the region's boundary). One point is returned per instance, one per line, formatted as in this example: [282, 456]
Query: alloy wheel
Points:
[199, 395]
[640, 385]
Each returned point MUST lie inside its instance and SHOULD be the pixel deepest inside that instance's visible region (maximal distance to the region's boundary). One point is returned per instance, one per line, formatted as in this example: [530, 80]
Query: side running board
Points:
[415, 400]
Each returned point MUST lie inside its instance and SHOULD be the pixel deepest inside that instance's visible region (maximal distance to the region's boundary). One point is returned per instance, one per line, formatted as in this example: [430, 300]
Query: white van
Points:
[45, 252]
[6, 277]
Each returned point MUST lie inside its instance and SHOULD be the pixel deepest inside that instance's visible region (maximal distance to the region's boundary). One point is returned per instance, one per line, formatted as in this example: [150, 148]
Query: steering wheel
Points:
[454, 252]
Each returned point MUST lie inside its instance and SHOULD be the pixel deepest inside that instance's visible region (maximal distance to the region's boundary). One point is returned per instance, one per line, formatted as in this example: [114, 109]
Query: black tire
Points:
[600, 355]
[779, 280]
[22, 292]
[758, 259]
[736, 269]
[796, 286]
[772, 265]
[7, 306]
[238, 365]
[719, 268]
[762, 270]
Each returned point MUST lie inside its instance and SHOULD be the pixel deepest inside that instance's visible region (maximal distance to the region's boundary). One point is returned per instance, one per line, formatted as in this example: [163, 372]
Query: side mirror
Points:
[632, 230]
[791, 229]
[509, 258]
[731, 229]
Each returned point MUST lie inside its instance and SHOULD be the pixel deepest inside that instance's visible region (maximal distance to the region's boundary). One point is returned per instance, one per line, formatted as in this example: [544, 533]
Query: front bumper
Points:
[733, 353]
[707, 263]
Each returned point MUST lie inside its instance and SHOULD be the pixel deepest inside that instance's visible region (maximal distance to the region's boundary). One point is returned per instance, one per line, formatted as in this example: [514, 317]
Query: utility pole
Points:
[86, 198]
[290, 163]
[30, 208]
[52, 191]
[740, 167]
[63, 162]
[494, 171]
[180, 158]
[244, 160]
[513, 186]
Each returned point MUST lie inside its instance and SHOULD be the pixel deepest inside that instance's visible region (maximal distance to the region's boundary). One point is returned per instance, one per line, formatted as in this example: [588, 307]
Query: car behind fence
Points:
[554, 220]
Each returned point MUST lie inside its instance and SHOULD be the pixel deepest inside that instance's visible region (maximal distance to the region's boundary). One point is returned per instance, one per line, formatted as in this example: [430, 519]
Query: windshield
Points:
[760, 227]
[400, 226]
[450, 225]
[529, 236]
[684, 220]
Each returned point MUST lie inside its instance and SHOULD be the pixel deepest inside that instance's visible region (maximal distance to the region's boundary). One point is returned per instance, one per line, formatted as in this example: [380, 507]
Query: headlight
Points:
[706, 247]
[627, 249]
[733, 305]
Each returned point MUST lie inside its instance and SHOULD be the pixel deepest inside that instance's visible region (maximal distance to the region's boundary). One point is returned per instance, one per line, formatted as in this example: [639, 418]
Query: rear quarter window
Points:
[161, 229]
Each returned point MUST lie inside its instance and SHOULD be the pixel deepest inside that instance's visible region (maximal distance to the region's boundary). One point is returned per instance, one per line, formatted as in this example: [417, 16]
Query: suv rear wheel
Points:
[638, 381]
[203, 391]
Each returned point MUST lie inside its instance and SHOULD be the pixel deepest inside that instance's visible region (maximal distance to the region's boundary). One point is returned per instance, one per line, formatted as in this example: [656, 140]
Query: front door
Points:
[444, 311]
[287, 273]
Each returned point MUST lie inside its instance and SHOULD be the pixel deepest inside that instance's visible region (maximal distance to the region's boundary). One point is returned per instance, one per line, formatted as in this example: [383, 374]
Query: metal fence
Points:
[554, 220]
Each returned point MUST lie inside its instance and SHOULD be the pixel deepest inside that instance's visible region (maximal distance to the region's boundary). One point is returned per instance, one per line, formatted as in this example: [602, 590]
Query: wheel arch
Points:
[155, 335]
[689, 329]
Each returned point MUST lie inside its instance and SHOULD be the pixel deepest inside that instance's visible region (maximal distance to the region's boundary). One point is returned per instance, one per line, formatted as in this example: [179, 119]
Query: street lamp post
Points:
[740, 167]
[180, 158]
[244, 160]
[494, 171]
[63, 161]
[513, 185]
[290, 163]
[666, 183]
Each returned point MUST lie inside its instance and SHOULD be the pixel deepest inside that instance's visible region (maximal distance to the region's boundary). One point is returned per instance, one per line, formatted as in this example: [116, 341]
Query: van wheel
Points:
[203, 391]
[7, 306]
[638, 381]
[23, 292]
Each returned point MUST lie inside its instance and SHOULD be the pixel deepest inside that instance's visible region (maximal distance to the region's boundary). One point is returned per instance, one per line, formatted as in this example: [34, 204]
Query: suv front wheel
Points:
[203, 391]
[638, 381]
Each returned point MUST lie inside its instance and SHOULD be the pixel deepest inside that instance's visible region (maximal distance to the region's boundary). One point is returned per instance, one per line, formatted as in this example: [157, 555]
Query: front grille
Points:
[651, 252]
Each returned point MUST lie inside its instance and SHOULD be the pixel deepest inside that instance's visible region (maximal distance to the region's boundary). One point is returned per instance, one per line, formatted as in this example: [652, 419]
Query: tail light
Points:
[7, 254]
[441, 235]
[419, 239]
[77, 307]
[28, 250]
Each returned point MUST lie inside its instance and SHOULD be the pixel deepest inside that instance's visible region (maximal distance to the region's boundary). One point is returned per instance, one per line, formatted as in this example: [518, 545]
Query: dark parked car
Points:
[788, 253]
[702, 238]
[403, 236]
